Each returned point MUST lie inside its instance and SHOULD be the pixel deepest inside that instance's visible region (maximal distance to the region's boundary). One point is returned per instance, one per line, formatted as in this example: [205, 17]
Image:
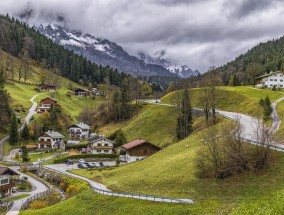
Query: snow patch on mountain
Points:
[160, 58]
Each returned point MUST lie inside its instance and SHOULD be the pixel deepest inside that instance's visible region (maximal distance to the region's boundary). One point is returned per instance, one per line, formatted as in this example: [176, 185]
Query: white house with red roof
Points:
[139, 149]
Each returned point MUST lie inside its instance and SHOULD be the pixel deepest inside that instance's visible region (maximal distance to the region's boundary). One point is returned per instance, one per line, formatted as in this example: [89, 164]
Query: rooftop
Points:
[54, 134]
[81, 125]
[269, 74]
[135, 143]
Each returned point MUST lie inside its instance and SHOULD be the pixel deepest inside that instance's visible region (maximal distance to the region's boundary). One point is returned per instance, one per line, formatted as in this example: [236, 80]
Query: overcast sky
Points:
[199, 33]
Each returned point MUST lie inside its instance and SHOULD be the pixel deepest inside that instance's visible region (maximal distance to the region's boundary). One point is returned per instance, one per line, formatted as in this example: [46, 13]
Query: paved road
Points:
[31, 112]
[39, 187]
[250, 127]
[100, 188]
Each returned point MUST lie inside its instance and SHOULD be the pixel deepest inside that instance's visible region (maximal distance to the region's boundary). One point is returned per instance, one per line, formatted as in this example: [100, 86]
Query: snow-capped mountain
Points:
[101, 51]
[160, 58]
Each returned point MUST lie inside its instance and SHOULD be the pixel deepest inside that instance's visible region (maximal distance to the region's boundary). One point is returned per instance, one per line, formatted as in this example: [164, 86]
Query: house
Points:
[81, 92]
[139, 149]
[271, 79]
[47, 87]
[46, 104]
[6, 183]
[100, 145]
[50, 140]
[79, 131]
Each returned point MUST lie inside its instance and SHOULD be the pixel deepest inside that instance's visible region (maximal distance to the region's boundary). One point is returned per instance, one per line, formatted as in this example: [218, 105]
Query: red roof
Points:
[135, 143]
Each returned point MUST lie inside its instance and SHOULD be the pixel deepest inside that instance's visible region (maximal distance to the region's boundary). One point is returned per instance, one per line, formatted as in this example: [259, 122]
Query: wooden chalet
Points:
[47, 87]
[6, 183]
[81, 92]
[46, 104]
[139, 149]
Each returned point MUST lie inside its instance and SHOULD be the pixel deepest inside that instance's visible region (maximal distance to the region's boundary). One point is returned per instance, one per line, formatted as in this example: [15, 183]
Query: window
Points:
[106, 144]
[4, 181]
[271, 85]
[281, 80]
[275, 79]
[105, 151]
[99, 151]
[271, 79]
[281, 85]
[99, 144]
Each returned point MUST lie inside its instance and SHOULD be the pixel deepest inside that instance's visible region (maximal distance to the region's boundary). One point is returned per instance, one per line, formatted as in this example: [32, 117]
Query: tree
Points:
[266, 106]
[14, 135]
[120, 138]
[25, 154]
[184, 120]
[25, 132]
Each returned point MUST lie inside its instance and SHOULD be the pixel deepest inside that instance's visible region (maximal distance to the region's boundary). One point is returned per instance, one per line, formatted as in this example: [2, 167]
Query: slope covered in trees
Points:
[24, 42]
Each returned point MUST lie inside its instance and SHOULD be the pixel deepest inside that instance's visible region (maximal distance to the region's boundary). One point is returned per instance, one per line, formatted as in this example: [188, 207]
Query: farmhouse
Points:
[79, 131]
[46, 104]
[139, 149]
[51, 140]
[81, 92]
[6, 183]
[47, 87]
[271, 79]
[100, 145]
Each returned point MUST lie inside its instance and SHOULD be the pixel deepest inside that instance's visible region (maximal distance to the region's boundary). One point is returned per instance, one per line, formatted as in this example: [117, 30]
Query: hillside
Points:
[231, 98]
[263, 58]
[171, 172]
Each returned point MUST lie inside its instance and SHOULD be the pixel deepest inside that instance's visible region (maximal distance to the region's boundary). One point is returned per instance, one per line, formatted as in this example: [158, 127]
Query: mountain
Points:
[159, 58]
[101, 51]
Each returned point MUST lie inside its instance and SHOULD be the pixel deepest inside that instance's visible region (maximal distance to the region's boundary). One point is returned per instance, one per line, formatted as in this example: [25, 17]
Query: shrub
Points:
[72, 190]
[112, 156]
[37, 204]
[79, 146]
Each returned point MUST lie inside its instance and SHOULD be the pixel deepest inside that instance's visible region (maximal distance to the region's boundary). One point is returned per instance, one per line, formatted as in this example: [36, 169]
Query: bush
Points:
[79, 146]
[37, 204]
[72, 190]
[113, 156]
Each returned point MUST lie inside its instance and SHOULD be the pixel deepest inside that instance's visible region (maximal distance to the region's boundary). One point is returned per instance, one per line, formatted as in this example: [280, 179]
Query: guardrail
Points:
[32, 198]
[127, 195]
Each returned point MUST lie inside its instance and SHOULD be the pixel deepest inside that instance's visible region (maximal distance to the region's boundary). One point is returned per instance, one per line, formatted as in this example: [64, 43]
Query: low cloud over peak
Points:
[197, 33]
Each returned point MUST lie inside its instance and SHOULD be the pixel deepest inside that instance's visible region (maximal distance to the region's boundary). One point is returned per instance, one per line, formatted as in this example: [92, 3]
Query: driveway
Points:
[31, 112]
[39, 187]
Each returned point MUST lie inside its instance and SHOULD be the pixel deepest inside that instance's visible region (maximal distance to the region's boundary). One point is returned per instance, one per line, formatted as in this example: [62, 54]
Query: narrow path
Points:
[249, 124]
[39, 187]
[32, 111]
[100, 188]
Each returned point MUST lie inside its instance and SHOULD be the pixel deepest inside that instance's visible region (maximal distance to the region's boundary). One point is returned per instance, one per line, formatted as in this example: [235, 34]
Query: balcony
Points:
[7, 186]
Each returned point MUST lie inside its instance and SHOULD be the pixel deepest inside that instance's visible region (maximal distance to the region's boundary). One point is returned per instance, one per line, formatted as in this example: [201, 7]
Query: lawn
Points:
[279, 134]
[16, 197]
[235, 99]
[171, 173]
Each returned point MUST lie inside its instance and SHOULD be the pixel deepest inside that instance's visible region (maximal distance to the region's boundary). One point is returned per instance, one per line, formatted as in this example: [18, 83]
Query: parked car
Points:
[68, 162]
[158, 101]
[81, 161]
[95, 164]
[91, 165]
[25, 177]
[101, 164]
[14, 189]
[82, 166]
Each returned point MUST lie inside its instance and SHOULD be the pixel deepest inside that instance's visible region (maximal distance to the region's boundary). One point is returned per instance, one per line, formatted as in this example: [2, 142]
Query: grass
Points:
[153, 123]
[16, 197]
[51, 161]
[171, 172]
[235, 99]
[280, 132]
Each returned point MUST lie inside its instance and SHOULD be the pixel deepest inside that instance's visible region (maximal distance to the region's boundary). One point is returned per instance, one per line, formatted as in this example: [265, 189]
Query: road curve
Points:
[32, 111]
[100, 188]
[249, 124]
[39, 187]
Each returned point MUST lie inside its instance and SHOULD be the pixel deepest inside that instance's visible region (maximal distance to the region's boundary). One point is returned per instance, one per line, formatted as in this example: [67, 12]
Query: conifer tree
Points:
[120, 138]
[25, 132]
[14, 135]
[184, 120]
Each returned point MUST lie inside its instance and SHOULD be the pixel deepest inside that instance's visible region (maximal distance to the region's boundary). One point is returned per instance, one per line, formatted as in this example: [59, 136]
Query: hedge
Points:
[79, 146]
[113, 156]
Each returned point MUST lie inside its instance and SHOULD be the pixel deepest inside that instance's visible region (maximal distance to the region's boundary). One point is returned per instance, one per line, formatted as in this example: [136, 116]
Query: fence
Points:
[32, 198]
[7, 205]
[128, 195]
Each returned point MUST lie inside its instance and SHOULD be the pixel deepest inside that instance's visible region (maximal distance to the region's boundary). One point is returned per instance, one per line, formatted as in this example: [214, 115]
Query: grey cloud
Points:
[198, 33]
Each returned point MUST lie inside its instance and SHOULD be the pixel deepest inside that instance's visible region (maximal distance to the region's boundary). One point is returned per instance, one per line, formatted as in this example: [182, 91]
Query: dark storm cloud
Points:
[200, 33]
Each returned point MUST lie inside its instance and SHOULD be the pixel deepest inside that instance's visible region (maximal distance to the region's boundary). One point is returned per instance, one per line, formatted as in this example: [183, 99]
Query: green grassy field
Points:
[235, 99]
[171, 172]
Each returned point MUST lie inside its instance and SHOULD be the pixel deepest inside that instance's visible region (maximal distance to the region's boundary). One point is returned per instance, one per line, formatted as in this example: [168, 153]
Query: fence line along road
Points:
[99, 189]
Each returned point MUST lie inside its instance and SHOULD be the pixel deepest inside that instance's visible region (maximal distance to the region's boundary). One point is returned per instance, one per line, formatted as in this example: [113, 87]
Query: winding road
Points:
[31, 112]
